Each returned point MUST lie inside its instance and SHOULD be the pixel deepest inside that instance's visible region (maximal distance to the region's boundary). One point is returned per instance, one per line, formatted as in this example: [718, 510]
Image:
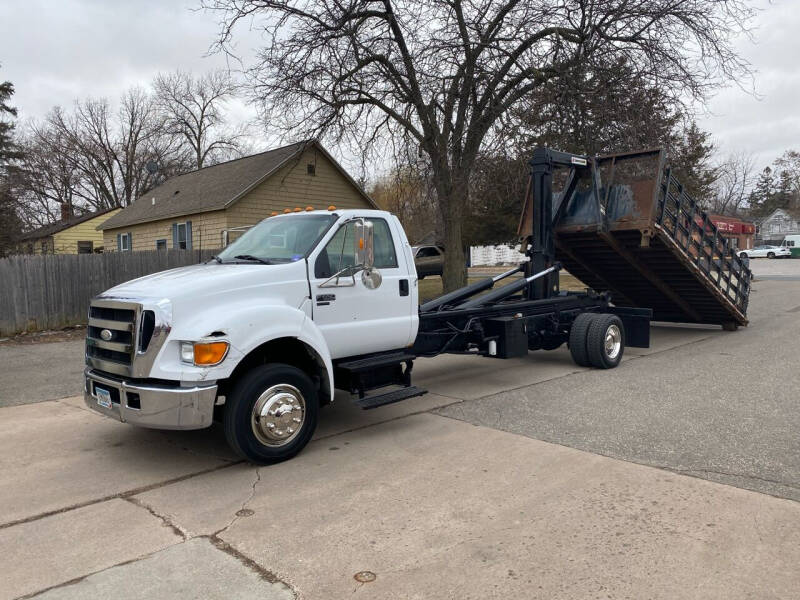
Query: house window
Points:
[85, 247]
[44, 246]
[182, 235]
[161, 244]
[124, 242]
[311, 169]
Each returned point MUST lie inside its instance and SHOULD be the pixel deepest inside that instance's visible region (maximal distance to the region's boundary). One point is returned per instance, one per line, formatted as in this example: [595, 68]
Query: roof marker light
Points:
[331, 207]
[309, 208]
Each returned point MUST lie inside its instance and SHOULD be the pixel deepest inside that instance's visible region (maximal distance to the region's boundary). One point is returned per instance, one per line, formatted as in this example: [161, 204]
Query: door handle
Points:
[404, 287]
[325, 299]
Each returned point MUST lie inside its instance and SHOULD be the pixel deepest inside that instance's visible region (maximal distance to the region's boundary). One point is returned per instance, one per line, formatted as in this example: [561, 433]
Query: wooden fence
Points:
[53, 290]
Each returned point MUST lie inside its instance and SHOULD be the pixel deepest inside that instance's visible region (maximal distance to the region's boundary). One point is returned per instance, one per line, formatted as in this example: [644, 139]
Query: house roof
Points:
[792, 212]
[215, 187]
[53, 228]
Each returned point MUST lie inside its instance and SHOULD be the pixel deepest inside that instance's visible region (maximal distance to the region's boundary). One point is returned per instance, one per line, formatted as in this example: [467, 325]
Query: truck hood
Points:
[213, 279]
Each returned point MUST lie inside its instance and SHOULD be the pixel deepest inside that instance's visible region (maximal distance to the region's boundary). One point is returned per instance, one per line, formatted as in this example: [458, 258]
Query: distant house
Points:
[777, 225]
[199, 209]
[70, 235]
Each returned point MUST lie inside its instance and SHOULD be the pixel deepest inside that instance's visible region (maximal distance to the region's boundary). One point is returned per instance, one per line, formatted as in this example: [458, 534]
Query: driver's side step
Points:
[390, 397]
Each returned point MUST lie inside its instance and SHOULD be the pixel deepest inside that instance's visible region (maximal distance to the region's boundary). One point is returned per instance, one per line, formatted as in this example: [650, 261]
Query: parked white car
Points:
[765, 252]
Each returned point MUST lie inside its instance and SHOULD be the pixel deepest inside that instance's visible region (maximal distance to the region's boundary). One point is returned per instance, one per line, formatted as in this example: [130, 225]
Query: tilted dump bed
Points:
[626, 225]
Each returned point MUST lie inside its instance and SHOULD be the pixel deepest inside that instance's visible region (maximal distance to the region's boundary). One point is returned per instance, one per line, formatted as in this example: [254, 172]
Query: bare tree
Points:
[193, 113]
[443, 73]
[48, 179]
[105, 151]
[736, 177]
[407, 193]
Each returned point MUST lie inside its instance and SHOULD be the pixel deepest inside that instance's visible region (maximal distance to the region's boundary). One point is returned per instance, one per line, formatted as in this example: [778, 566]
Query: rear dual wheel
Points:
[597, 340]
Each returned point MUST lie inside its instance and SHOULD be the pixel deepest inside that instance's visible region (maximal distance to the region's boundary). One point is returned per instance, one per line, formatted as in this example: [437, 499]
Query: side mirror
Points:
[364, 249]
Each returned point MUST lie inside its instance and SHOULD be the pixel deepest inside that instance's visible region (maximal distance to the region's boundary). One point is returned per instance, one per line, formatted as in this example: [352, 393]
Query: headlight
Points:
[204, 354]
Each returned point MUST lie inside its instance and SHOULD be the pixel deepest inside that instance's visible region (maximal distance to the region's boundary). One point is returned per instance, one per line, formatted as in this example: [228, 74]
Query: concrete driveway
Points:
[529, 478]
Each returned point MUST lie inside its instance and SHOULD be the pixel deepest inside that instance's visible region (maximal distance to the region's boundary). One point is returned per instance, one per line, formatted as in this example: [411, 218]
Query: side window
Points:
[337, 254]
[385, 256]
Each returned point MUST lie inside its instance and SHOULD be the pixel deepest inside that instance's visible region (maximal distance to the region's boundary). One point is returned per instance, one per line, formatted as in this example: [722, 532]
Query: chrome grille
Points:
[111, 335]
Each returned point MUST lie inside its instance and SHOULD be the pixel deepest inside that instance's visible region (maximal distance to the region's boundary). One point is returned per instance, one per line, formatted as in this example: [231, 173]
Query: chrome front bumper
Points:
[152, 405]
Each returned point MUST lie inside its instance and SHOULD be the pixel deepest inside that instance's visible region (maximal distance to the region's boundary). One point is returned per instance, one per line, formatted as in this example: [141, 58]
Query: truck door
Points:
[354, 319]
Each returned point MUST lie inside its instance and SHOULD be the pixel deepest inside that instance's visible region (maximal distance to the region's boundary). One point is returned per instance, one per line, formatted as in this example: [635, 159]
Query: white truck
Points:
[306, 303]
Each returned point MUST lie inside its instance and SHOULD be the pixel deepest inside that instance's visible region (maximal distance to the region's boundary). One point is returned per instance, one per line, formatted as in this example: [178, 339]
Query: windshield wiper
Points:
[253, 258]
[216, 258]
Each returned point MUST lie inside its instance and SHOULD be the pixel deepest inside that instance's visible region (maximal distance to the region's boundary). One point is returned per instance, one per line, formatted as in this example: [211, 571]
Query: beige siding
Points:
[66, 241]
[292, 187]
[206, 232]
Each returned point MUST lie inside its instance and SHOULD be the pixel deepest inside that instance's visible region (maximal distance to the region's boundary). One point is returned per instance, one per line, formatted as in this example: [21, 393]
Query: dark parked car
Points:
[429, 260]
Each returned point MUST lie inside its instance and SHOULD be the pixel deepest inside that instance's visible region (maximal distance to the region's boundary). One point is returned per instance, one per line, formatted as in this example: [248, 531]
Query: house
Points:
[778, 224]
[201, 208]
[70, 235]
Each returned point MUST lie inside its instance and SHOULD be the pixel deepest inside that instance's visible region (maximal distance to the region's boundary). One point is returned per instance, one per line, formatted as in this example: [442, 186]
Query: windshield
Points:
[279, 239]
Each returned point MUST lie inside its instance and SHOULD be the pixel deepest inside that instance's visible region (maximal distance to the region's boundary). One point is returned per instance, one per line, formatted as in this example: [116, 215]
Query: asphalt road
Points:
[40, 371]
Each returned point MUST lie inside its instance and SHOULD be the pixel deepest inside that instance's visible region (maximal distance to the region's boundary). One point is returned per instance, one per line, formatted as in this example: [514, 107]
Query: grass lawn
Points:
[431, 287]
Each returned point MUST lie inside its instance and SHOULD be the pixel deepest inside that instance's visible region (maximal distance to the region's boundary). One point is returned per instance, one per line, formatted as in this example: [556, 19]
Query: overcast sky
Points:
[58, 50]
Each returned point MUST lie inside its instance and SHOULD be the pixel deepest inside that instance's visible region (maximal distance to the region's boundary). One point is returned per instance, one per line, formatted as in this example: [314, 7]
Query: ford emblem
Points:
[106, 334]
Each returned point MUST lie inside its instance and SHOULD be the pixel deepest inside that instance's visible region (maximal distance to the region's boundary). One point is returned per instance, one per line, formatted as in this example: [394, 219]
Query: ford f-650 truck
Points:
[306, 303]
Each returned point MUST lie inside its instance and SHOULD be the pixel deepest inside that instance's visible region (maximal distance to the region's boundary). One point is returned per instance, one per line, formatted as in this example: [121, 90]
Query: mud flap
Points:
[636, 322]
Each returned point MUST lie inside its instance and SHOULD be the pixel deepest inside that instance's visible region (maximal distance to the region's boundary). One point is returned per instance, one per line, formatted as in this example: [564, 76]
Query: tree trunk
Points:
[453, 200]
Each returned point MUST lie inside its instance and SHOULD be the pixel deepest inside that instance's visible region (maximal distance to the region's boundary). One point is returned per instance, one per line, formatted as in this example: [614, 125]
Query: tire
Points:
[743, 255]
[273, 387]
[577, 339]
[606, 341]
[770, 255]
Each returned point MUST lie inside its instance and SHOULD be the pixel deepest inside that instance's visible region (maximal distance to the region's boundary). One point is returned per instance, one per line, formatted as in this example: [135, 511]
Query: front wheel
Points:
[271, 414]
[743, 255]
[770, 255]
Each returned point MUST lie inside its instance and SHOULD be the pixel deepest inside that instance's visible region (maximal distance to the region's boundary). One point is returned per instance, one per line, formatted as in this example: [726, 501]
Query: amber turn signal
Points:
[210, 354]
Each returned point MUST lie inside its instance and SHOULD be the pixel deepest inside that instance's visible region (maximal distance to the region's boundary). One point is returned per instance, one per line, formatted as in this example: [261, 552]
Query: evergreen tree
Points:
[690, 156]
[10, 223]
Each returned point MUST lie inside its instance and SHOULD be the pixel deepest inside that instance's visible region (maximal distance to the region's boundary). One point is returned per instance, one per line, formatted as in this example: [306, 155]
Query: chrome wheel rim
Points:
[613, 342]
[278, 415]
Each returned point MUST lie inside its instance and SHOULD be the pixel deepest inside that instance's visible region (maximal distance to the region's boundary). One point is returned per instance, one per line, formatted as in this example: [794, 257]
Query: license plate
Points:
[103, 397]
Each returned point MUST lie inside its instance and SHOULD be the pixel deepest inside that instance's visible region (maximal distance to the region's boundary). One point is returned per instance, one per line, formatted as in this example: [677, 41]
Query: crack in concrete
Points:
[236, 515]
[123, 495]
[77, 580]
[166, 520]
[228, 549]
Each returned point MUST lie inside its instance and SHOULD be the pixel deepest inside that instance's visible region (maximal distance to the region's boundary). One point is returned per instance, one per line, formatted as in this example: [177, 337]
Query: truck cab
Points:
[252, 336]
